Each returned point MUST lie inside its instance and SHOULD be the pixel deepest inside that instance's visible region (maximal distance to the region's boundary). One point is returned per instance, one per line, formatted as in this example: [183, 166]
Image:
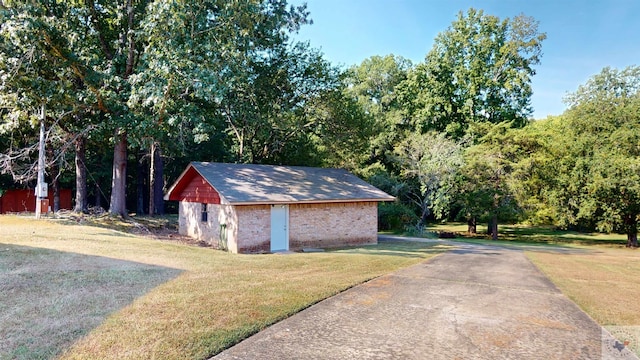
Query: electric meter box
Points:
[42, 191]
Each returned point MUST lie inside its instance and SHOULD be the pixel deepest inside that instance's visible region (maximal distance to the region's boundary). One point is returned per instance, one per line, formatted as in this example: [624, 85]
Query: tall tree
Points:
[435, 162]
[486, 189]
[597, 157]
[144, 69]
[540, 167]
[272, 113]
[77, 45]
[342, 132]
[373, 86]
[32, 74]
[228, 67]
[479, 70]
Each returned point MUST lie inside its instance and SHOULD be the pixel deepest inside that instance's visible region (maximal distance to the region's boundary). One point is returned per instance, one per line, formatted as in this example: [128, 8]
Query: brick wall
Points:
[254, 228]
[332, 224]
[211, 231]
[188, 219]
[248, 227]
[228, 217]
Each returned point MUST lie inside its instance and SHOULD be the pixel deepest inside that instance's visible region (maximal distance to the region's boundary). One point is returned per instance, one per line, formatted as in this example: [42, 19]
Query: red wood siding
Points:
[23, 200]
[198, 190]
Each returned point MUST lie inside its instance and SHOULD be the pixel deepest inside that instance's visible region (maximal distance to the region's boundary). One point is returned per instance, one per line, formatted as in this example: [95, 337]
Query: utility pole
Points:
[42, 187]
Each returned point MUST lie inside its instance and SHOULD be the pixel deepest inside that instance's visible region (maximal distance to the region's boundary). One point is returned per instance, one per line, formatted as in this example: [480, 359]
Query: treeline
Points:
[134, 91]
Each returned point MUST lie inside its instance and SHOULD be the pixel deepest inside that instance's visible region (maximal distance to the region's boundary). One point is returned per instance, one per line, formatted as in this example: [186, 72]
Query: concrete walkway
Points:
[475, 302]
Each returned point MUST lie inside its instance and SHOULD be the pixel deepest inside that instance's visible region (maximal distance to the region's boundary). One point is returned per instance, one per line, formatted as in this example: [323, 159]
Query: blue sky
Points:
[583, 36]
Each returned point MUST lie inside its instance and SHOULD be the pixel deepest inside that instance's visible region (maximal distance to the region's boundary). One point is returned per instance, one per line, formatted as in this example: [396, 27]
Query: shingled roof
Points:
[267, 184]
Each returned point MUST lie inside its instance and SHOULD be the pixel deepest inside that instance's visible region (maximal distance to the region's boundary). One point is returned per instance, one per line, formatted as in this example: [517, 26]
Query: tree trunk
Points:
[152, 179]
[55, 182]
[81, 176]
[56, 192]
[632, 240]
[494, 227]
[159, 174]
[472, 225]
[424, 213]
[118, 205]
[140, 175]
[631, 227]
[98, 192]
[631, 222]
[156, 183]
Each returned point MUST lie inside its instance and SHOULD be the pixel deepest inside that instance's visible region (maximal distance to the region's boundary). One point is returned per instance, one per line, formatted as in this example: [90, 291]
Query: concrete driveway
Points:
[475, 302]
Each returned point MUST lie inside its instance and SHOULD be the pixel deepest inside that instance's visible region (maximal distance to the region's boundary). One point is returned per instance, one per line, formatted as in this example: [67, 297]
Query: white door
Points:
[279, 227]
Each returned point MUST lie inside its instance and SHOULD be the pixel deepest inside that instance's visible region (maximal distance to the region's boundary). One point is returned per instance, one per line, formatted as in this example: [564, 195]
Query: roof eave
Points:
[175, 183]
[320, 201]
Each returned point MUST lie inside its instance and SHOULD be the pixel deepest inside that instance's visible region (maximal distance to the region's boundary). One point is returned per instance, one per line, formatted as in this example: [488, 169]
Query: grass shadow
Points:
[49, 299]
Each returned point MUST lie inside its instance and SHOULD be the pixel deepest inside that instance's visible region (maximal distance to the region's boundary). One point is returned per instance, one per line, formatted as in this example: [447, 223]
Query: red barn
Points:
[24, 200]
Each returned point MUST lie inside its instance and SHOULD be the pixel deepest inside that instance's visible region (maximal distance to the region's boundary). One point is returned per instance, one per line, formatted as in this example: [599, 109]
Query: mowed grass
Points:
[83, 292]
[603, 281]
[38, 312]
[594, 270]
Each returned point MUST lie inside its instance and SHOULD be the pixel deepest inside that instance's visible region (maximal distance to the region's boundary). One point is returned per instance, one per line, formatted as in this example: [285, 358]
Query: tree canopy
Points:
[150, 85]
[596, 158]
[147, 73]
[478, 70]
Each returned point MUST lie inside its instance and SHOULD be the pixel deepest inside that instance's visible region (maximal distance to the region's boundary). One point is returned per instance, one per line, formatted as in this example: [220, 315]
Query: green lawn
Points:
[531, 234]
[86, 292]
[603, 281]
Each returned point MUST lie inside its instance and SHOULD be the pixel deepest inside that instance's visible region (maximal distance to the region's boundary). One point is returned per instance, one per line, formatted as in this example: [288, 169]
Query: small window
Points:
[205, 215]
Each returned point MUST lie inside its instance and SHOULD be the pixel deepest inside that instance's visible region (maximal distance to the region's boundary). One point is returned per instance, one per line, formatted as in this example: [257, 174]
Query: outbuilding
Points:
[263, 208]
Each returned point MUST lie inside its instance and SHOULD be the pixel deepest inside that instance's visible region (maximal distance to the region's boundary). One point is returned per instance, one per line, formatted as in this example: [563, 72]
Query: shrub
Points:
[394, 216]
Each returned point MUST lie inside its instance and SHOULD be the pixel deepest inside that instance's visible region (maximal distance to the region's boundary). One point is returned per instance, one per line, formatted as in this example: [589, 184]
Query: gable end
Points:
[192, 187]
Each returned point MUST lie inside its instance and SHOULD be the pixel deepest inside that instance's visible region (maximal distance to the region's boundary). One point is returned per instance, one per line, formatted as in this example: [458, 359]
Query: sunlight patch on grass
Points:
[604, 282]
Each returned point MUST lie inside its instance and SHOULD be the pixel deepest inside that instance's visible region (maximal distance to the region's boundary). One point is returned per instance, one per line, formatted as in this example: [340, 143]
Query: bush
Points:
[394, 216]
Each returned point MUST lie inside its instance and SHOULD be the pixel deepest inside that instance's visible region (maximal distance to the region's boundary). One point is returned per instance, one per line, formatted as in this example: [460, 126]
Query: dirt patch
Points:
[174, 236]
